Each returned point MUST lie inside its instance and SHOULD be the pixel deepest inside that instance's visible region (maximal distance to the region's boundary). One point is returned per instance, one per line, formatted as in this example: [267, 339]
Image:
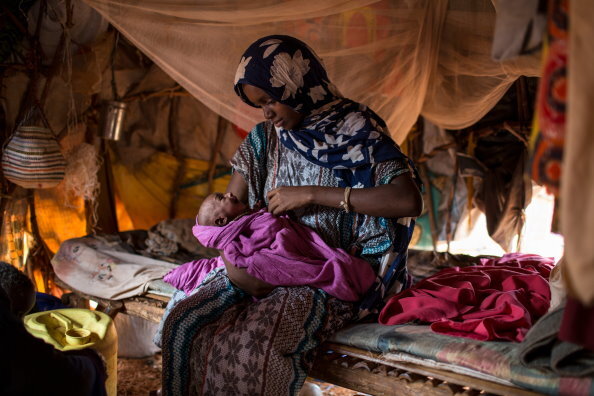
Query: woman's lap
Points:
[221, 341]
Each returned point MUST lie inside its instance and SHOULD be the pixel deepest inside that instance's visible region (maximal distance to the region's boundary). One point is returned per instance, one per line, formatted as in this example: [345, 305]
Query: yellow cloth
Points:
[146, 192]
[144, 197]
[57, 218]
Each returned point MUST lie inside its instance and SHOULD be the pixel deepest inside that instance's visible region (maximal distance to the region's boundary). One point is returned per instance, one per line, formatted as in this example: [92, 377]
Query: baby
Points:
[273, 249]
[219, 209]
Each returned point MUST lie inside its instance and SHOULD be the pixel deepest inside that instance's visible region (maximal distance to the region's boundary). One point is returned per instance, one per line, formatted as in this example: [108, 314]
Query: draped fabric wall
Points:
[401, 57]
[577, 179]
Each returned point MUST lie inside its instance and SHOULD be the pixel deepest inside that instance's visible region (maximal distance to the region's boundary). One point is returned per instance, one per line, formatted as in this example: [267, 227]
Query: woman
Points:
[329, 162]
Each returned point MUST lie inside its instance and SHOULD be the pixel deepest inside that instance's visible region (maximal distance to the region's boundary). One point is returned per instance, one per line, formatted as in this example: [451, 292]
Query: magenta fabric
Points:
[188, 276]
[498, 300]
[281, 252]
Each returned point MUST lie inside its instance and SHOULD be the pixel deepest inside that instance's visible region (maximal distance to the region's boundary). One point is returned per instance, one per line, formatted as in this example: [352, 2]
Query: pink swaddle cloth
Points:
[279, 251]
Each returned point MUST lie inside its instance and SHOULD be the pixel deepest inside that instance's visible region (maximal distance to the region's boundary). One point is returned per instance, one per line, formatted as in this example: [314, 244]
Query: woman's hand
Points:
[283, 199]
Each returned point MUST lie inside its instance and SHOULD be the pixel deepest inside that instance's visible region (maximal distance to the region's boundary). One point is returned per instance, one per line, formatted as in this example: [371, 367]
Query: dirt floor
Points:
[142, 377]
[139, 377]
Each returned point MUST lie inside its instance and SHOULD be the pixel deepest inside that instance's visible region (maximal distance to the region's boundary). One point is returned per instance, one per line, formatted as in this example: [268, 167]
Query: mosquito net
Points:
[401, 57]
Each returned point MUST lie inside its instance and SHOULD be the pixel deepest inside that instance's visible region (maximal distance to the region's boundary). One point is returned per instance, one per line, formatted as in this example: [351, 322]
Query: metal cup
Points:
[113, 120]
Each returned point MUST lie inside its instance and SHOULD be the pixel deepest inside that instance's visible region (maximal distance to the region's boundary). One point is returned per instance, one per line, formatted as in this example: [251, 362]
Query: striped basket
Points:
[32, 157]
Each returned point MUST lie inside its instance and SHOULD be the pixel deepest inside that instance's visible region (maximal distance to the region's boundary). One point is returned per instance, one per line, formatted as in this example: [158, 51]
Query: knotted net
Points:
[401, 57]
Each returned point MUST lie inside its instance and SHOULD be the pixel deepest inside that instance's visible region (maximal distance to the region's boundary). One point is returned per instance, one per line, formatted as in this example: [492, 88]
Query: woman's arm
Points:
[238, 187]
[240, 278]
[400, 198]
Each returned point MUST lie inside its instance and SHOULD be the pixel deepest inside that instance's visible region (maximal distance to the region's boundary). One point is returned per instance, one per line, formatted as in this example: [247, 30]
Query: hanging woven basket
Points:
[32, 156]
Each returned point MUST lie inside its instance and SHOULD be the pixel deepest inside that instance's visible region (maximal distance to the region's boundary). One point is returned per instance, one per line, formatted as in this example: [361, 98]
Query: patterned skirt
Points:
[221, 341]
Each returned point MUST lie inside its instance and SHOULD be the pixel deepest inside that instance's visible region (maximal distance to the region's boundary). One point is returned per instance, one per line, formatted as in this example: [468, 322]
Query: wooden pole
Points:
[221, 128]
[107, 221]
[181, 168]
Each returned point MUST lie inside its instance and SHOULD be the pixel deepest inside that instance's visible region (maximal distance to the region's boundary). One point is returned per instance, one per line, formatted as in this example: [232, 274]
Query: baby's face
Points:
[219, 209]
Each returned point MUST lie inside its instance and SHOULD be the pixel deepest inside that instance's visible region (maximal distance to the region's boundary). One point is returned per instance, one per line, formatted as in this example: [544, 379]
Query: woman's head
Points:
[284, 71]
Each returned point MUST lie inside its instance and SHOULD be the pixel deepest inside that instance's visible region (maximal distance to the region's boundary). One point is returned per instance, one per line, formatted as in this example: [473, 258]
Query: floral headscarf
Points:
[336, 133]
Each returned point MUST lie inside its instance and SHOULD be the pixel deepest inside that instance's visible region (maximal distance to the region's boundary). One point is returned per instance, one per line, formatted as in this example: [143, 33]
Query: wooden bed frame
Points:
[342, 365]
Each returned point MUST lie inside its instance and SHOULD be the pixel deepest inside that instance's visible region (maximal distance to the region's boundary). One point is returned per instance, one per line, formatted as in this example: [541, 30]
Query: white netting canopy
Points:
[401, 57]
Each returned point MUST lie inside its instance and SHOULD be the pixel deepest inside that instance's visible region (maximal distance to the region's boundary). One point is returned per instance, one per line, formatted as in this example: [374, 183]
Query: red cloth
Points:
[499, 300]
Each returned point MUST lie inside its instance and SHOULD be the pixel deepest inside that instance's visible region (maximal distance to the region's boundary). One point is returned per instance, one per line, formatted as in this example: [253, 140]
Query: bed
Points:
[371, 358]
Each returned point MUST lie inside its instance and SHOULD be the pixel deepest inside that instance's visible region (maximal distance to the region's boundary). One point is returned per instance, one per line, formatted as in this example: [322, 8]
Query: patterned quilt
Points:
[495, 361]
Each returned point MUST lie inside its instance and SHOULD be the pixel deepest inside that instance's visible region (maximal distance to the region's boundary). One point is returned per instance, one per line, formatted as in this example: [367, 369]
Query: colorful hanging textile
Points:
[548, 132]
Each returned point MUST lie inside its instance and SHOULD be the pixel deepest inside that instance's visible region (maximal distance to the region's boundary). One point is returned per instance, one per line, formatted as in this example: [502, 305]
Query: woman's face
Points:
[282, 116]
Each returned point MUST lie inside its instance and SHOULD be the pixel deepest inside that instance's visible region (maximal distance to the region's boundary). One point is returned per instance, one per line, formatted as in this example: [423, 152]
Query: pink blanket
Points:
[279, 251]
[499, 300]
